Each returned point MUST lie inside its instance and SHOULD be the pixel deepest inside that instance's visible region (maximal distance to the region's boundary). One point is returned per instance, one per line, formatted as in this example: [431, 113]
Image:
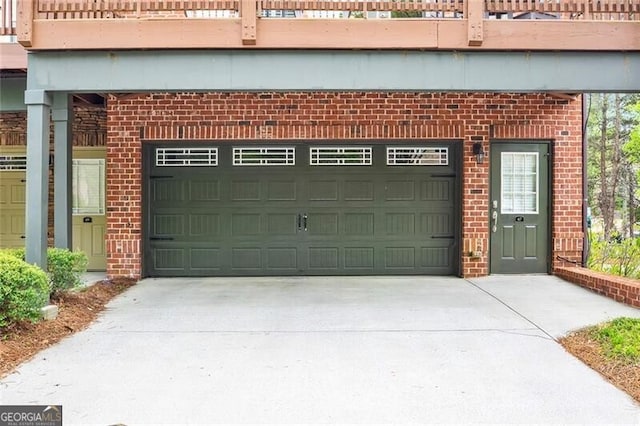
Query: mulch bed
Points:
[77, 309]
[624, 375]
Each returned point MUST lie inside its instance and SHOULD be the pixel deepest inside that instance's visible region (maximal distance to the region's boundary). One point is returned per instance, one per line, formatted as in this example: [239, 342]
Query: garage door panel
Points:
[323, 259]
[245, 190]
[322, 224]
[400, 224]
[358, 190]
[169, 259]
[436, 257]
[204, 190]
[279, 224]
[246, 258]
[436, 223]
[245, 224]
[437, 190]
[282, 258]
[168, 225]
[358, 224]
[400, 257]
[358, 258]
[167, 190]
[281, 190]
[204, 225]
[323, 190]
[400, 190]
[205, 259]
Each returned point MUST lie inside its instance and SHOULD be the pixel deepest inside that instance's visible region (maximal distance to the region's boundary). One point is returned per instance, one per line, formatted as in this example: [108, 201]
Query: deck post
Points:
[62, 115]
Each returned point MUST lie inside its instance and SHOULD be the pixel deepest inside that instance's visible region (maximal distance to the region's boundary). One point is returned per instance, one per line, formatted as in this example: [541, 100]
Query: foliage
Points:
[64, 267]
[613, 135]
[620, 338]
[23, 290]
[616, 256]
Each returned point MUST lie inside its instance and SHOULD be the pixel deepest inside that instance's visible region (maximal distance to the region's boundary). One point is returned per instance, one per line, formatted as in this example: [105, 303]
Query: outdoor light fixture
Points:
[478, 152]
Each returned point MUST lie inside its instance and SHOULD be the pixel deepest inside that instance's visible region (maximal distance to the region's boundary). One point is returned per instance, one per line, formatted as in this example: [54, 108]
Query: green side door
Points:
[519, 208]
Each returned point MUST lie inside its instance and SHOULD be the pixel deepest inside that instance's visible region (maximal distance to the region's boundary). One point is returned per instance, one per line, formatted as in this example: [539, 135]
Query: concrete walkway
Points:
[330, 350]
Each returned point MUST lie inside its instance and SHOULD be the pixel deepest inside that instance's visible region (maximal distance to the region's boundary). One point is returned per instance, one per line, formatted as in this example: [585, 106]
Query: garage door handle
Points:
[161, 238]
[443, 237]
[304, 221]
[23, 237]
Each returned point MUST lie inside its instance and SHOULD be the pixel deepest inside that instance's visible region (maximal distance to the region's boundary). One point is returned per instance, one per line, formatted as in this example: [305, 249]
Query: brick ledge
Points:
[624, 290]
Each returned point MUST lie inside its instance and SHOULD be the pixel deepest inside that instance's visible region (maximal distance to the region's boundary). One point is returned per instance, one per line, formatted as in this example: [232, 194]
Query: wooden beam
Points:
[12, 57]
[25, 21]
[431, 34]
[475, 19]
[249, 13]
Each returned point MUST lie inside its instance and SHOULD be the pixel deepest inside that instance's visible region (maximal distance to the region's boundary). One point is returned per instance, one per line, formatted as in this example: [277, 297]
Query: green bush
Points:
[616, 257]
[64, 267]
[23, 290]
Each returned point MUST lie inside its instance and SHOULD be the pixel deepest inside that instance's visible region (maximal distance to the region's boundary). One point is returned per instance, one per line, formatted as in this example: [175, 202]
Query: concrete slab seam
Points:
[505, 304]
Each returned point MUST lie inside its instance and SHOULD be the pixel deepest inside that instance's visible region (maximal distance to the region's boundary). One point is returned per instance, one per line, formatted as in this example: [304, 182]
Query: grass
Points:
[620, 338]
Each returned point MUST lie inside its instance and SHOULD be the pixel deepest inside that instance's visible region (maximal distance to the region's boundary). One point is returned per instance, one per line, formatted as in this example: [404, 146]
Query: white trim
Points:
[510, 207]
[340, 156]
[264, 156]
[13, 163]
[180, 157]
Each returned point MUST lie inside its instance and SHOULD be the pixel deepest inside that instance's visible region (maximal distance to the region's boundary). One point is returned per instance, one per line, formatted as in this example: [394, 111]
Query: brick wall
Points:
[133, 119]
[625, 290]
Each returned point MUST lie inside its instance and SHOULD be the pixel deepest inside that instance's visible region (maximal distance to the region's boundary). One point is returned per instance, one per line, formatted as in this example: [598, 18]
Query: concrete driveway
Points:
[330, 350]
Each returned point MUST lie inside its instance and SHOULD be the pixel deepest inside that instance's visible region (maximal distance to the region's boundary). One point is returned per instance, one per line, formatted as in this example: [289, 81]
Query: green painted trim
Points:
[289, 70]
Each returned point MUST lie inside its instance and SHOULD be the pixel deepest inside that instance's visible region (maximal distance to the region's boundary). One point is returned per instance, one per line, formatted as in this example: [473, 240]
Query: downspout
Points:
[585, 189]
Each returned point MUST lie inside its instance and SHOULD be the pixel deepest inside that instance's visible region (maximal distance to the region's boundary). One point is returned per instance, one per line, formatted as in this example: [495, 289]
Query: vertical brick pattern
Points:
[480, 117]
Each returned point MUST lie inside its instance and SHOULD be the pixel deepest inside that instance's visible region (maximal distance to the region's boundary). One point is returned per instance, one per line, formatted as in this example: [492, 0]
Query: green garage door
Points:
[300, 209]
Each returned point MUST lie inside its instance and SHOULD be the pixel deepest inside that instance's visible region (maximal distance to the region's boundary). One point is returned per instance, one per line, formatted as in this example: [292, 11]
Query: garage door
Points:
[287, 209]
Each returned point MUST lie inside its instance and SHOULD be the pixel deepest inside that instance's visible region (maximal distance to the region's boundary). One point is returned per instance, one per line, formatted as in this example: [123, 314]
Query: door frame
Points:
[550, 192]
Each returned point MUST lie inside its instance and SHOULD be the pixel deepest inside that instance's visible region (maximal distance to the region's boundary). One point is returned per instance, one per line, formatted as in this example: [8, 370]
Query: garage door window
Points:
[88, 186]
[186, 157]
[340, 156]
[417, 156]
[264, 156]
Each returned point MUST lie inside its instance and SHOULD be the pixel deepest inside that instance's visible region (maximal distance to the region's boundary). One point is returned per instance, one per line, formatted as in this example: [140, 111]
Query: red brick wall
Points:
[133, 119]
[625, 290]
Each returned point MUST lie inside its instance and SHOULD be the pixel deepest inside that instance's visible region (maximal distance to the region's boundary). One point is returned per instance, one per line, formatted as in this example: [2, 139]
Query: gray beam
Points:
[62, 116]
[261, 70]
[38, 110]
[12, 93]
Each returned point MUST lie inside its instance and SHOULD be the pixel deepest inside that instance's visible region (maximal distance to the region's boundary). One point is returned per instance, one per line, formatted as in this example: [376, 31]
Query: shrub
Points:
[64, 267]
[616, 257]
[23, 290]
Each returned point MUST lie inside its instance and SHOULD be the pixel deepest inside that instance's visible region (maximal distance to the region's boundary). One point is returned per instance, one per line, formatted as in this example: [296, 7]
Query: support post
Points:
[62, 115]
[249, 11]
[37, 207]
[475, 18]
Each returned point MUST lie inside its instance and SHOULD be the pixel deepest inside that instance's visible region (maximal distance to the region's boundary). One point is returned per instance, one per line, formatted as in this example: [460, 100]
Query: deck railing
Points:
[249, 12]
[605, 10]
